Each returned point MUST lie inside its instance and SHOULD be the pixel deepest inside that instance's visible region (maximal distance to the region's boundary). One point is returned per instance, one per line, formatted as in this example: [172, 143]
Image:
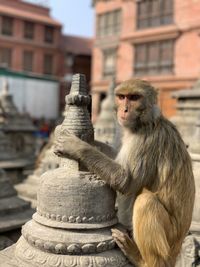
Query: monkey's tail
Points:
[151, 227]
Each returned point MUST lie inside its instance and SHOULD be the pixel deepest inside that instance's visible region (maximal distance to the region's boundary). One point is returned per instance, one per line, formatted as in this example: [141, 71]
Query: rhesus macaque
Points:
[152, 174]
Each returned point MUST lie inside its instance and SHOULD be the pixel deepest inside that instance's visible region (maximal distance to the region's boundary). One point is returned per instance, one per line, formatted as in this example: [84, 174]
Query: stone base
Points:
[7, 259]
[190, 253]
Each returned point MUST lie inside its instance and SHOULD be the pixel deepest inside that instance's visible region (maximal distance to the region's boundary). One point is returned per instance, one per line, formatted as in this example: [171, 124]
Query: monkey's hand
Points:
[69, 147]
[125, 243]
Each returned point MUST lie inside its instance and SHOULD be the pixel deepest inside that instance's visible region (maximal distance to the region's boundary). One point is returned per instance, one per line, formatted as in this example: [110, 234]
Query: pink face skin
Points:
[126, 104]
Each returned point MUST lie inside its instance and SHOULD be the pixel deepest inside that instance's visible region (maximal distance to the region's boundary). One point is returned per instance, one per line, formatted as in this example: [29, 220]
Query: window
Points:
[28, 61]
[109, 62]
[49, 34]
[48, 64]
[109, 23]
[153, 13]
[5, 57]
[28, 30]
[7, 26]
[154, 58]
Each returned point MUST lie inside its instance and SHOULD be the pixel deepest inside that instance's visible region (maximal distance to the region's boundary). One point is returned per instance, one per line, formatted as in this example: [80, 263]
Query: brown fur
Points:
[153, 168]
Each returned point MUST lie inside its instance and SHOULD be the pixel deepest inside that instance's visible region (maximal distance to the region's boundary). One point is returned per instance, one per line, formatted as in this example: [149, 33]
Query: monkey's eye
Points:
[121, 97]
[134, 97]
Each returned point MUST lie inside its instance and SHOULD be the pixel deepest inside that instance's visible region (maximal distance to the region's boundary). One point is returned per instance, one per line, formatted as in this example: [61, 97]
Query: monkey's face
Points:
[129, 107]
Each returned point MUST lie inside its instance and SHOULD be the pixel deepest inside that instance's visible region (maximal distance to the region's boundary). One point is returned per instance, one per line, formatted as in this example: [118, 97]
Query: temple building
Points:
[37, 59]
[156, 40]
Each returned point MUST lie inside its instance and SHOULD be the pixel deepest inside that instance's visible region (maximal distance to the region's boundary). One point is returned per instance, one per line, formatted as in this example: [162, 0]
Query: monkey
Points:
[152, 175]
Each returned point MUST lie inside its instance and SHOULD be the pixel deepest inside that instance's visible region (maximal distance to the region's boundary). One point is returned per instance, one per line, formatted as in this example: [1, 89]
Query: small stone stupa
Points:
[105, 126]
[9, 160]
[191, 247]
[7, 151]
[18, 127]
[188, 108]
[28, 189]
[75, 213]
[14, 212]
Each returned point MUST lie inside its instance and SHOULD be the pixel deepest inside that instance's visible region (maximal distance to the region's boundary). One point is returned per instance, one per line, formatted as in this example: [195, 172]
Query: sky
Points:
[77, 16]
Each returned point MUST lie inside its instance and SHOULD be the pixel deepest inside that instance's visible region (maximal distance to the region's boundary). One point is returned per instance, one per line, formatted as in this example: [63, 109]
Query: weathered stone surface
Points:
[14, 212]
[188, 110]
[106, 124]
[187, 121]
[18, 127]
[72, 225]
[28, 189]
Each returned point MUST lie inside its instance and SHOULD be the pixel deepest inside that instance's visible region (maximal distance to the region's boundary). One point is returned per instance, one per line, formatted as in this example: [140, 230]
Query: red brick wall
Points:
[18, 43]
[185, 30]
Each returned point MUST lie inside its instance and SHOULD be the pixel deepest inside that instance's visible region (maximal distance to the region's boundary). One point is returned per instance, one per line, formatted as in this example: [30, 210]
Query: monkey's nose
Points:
[126, 109]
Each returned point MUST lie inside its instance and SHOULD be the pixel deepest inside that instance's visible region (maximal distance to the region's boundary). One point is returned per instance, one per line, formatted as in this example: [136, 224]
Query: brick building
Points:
[158, 40]
[29, 38]
[33, 48]
[76, 58]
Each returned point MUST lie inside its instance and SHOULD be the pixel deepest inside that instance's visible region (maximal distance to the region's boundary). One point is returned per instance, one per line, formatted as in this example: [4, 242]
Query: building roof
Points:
[77, 45]
[27, 14]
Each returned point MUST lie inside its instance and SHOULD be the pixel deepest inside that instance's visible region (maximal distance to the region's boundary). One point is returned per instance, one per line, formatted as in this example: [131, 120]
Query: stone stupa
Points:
[18, 131]
[17, 126]
[105, 126]
[28, 189]
[9, 160]
[188, 109]
[75, 211]
[14, 212]
[190, 255]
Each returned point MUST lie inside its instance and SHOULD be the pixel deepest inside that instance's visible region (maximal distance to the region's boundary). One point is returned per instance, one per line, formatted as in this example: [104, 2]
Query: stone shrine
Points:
[9, 160]
[75, 211]
[27, 190]
[14, 212]
[106, 124]
[188, 109]
[190, 255]
[18, 127]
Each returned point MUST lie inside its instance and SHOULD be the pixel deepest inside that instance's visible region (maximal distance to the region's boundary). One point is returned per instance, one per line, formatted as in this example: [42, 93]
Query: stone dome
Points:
[67, 201]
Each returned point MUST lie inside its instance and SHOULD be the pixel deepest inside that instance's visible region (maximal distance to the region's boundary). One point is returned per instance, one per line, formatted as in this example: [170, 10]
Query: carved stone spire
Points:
[105, 126]
[75, 213]
[77, 119]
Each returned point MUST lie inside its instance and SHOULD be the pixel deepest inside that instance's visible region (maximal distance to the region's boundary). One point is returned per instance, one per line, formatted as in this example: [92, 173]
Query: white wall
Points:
[40, 98]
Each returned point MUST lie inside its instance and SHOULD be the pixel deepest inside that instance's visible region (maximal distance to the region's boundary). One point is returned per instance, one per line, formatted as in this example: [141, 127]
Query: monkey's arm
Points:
[96, 162]
[106, 149]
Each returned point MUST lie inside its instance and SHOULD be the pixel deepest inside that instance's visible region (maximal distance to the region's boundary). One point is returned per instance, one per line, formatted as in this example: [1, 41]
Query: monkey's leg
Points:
[151, 224]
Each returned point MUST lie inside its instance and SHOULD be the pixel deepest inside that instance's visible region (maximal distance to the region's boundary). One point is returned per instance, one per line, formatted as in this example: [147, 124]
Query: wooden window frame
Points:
[157, 67]
[106, 71]
[28, 66]
[5, 29]
[29, 30]
[147, 19]
[48, 68]
[49, 34]
[5, 63]
[109, 23]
